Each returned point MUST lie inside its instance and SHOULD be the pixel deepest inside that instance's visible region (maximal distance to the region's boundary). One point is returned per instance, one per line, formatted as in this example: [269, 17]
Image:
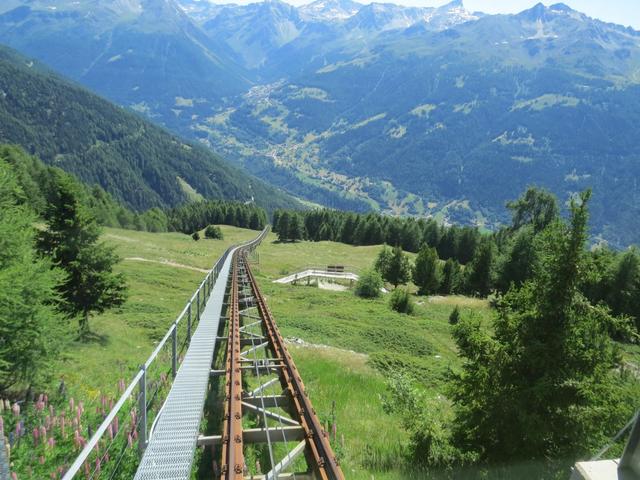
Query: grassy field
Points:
[162, 270]
[347, 347]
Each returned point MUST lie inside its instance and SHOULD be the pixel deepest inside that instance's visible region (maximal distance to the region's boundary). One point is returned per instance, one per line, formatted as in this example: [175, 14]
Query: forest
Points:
[466, 260]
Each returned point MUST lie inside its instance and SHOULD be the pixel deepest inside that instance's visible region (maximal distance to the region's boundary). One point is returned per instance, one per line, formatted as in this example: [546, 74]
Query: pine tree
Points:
[624, 296]
[479, 278]
[30, 327]
[536, 207]
[454, 317]
[425, 271]
[296, 228]
[284, 227]
[519, 260]
[451, 277]
[543, 384]
[71, 240]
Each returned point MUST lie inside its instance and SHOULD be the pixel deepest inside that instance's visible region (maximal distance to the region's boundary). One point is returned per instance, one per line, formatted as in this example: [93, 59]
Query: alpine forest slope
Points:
[140, 164]
[439, 112]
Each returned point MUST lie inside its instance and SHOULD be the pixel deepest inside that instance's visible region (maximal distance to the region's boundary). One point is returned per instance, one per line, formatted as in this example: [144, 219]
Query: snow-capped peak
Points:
[328, 10]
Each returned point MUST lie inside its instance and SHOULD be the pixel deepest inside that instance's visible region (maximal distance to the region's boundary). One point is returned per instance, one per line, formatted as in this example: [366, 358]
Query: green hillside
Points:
[140, 164]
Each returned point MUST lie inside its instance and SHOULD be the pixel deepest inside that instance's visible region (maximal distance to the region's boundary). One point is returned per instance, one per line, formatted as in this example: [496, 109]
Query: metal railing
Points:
[101, 448]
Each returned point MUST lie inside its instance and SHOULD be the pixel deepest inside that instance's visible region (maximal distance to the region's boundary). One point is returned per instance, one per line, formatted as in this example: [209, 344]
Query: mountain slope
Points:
[436, 112]
[146, 54]
[454, 122]
[139, 163]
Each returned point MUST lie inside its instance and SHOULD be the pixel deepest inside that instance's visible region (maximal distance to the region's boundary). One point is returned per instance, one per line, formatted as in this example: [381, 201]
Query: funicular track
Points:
[269, 429]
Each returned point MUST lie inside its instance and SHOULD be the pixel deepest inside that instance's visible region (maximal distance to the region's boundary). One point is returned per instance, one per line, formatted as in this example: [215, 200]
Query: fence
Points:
[109, 451]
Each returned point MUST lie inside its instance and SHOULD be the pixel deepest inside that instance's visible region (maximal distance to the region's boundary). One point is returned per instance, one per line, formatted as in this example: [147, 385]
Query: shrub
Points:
[196, 236]
[400, 301]
[213, 232]
[454, 318]
[369, 284]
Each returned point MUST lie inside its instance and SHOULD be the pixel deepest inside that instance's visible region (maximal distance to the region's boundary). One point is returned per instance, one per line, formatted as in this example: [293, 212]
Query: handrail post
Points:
[630, 459]
[174, 351]
[142, 406]
[189, 323]
[198, 304]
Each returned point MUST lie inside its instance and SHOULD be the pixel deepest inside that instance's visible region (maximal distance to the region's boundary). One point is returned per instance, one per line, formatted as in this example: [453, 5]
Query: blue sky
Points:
[624, 12]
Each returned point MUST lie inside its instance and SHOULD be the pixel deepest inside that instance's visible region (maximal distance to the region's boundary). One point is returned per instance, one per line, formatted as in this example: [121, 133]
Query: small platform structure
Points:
[337, 273]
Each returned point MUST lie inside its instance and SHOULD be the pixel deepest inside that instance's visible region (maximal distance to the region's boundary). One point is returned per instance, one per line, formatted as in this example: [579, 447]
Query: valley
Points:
[333, 240]
[415, 111]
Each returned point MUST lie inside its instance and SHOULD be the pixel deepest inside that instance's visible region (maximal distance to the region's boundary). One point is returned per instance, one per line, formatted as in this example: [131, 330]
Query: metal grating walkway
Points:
[170, 452]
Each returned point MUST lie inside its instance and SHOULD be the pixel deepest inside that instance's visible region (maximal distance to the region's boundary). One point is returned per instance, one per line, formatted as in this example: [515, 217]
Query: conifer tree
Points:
[543, 384]
[519, 260]
[451, 277]
[425, 271]
[296, 228]
[30, 326]
[284, 226]
[71, 240]
[479, 278]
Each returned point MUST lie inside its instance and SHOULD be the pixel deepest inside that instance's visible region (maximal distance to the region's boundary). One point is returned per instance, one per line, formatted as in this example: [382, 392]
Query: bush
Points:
[454, 318]
[213, 232]
[196, 236]
[369, 284]
[400, 301]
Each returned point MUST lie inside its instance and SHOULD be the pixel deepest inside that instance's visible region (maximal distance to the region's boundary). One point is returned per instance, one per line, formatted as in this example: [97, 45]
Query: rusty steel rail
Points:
[317, 441]
[233, 465]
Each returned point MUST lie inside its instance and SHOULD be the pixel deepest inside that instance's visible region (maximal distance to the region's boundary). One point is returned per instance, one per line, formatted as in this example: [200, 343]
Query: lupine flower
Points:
[72, 403]
[43, 433]
[40, 398]
[2, 424]
[14, 476]
[7, 404]
[129, 440]
[16, 409]
[98, 463]
[51, 442]
[1, 405]
[36, 435]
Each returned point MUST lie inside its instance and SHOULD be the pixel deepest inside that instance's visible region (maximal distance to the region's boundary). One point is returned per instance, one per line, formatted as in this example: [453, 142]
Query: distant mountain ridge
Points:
[140, 164]
[429, 111]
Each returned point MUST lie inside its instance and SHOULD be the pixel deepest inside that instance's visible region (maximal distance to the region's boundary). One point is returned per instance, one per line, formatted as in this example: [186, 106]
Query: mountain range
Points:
[140, 164]
[429, 111]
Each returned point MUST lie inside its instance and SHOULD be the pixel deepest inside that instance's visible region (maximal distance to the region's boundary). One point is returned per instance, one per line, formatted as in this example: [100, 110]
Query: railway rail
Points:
[287, 431]
[236, 381]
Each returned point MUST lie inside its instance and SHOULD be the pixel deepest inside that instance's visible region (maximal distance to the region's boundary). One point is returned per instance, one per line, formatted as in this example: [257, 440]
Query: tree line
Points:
[455, 242]
[34, 176]
[464, 260]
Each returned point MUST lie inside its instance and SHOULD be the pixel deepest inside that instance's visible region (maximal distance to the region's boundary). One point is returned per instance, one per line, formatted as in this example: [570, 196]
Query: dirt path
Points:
[168, 263]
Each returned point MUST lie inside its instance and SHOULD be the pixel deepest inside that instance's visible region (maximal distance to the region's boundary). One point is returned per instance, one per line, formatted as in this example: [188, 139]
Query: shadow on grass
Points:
[101, 339]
